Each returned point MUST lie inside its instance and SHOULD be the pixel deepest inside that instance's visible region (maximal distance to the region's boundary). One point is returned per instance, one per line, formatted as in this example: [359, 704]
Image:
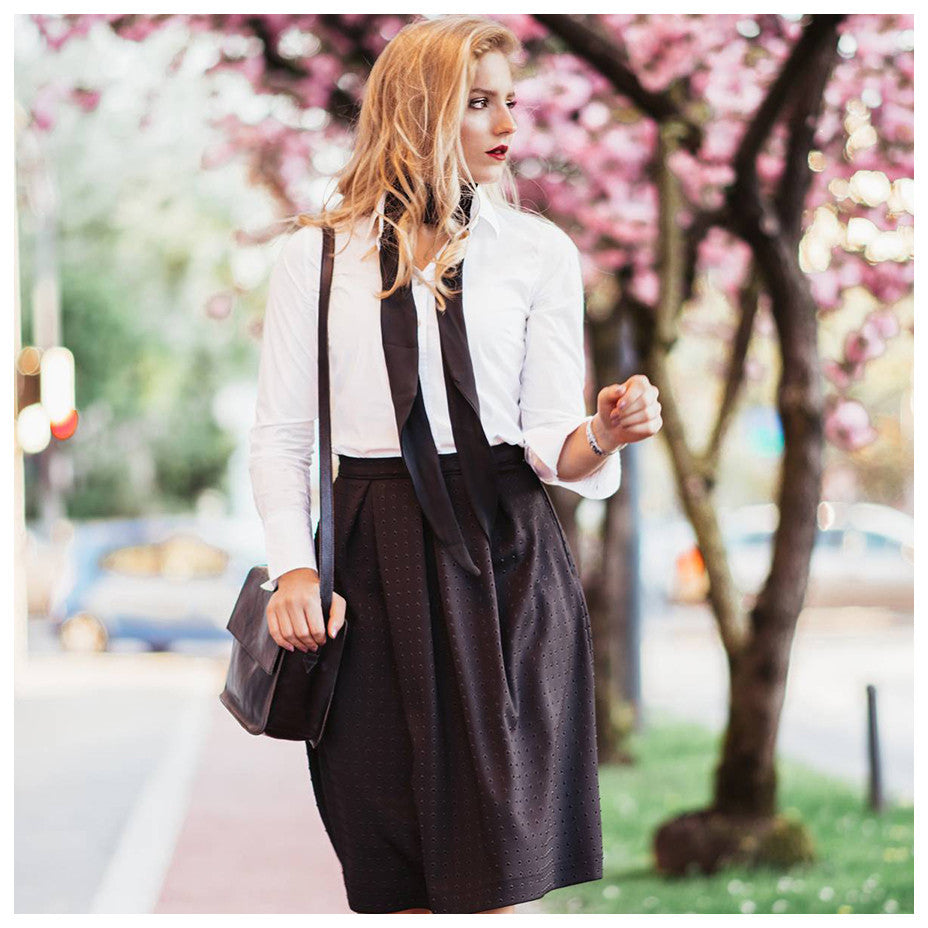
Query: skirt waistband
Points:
[505, 455]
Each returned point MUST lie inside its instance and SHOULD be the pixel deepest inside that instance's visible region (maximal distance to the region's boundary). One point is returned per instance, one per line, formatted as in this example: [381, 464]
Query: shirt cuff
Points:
[288, 543]
[543, 446]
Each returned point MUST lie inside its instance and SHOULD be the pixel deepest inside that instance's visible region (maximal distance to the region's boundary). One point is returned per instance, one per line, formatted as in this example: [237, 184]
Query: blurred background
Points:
[155, 158]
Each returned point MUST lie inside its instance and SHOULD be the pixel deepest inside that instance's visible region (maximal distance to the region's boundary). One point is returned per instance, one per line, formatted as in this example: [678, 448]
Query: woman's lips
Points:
[499, 153]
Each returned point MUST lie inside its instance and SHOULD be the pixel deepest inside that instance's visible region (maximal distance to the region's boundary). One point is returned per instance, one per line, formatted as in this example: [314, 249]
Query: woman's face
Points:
[488, 121]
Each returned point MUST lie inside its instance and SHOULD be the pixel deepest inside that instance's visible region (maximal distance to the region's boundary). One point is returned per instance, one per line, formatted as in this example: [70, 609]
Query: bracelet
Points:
[594, 444]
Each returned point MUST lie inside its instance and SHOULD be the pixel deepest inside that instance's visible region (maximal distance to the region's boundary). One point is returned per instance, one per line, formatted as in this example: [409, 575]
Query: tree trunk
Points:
[745, 778]
[741, 822]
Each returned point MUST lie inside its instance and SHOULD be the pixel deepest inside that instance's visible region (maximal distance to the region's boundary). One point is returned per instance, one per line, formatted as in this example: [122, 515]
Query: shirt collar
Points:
[481, 209]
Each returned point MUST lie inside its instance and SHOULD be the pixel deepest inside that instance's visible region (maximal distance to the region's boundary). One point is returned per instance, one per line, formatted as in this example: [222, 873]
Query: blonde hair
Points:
[408, 140]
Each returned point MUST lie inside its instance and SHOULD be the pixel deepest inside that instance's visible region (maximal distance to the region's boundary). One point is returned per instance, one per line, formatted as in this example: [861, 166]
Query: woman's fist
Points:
[627, 412]
[294, 612]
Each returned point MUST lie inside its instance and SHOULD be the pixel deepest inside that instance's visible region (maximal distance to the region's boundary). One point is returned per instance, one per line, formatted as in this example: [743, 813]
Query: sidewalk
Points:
[162, 802]
[252, 840]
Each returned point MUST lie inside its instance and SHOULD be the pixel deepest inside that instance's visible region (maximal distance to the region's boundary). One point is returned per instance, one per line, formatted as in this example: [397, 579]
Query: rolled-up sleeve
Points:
[553, 373]
[282, 438]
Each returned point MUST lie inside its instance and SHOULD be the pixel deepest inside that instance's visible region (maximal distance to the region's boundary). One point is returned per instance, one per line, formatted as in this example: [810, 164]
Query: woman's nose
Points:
[506, 123]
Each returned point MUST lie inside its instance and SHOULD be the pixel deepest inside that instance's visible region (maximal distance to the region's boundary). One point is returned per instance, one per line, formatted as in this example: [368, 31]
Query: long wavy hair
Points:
[408, 142]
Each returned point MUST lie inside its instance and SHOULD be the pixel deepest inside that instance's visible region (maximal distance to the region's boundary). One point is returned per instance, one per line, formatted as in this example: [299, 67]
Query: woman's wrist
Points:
[298, 575]
[601, 436]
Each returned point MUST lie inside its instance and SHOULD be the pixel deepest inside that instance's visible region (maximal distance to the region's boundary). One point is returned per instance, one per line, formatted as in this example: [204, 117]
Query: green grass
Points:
[864, 861]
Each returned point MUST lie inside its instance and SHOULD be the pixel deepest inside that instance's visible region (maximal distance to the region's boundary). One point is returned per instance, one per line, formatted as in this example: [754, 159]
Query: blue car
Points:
[157, 582]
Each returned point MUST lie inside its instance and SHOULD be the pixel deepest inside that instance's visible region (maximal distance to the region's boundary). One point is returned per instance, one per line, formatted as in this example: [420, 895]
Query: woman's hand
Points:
[294, 612]
[627, 412]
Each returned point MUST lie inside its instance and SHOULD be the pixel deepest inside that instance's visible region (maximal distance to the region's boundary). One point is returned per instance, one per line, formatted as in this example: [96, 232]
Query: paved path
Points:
[252, 840]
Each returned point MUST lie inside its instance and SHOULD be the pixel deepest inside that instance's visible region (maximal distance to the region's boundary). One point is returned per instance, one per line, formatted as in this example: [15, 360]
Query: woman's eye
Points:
[510, 103]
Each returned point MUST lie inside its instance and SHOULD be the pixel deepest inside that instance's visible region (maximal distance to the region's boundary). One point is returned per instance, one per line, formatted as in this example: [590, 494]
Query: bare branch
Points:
[749, 298]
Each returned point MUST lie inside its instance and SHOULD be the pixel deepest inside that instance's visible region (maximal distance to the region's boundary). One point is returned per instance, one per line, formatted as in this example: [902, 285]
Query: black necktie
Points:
[401, 350]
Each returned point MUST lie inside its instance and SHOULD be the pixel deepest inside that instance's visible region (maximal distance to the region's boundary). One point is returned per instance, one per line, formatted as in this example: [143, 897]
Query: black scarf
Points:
[401, 350]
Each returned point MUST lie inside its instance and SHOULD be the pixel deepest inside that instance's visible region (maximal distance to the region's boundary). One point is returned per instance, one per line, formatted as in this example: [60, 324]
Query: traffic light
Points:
[44, 397]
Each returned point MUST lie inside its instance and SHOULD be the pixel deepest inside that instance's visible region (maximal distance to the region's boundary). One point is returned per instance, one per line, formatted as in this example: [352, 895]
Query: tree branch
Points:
[820, 29]
[749, 299]
[609, 59]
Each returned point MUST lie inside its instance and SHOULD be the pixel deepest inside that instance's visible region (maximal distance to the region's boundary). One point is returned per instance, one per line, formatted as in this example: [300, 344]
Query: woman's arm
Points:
[551, 400]
[554, 416]
[282, 439]
[626, 412]
[578, 459]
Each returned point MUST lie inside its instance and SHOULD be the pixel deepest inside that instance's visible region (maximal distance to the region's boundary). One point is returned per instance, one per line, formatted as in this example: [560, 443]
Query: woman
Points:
[458, 769]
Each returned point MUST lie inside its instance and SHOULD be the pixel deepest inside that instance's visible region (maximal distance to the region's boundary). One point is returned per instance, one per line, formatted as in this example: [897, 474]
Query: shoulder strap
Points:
[326, 508]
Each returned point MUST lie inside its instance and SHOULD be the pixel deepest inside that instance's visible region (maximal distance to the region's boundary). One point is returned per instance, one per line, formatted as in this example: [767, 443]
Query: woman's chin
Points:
[488, 175]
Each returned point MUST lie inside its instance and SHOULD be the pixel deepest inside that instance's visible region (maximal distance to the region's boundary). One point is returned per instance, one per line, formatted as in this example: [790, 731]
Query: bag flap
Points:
[248, 622]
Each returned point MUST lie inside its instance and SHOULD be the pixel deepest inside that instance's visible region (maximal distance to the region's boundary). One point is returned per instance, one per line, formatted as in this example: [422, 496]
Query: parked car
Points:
[863, 555]
[156, 581]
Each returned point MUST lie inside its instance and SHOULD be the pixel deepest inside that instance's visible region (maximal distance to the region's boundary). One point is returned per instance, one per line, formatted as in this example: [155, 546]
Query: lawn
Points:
[865, 861]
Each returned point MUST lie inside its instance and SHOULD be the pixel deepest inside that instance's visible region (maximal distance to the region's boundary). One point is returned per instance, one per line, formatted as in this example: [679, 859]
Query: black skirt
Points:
[458, 771]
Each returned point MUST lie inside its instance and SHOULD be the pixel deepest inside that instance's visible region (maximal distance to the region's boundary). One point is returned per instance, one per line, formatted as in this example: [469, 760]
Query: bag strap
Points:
[326, 507]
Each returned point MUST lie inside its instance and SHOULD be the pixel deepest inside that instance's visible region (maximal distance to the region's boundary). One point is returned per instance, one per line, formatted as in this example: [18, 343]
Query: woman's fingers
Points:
[273, 626]
[644, 408]
[647, 414]
[336, 614]
[313, 611]
[309, 627]
[285, 630]
[643, 425]
[295, 619]
[639, 410]
[303, 637]
[290, 626]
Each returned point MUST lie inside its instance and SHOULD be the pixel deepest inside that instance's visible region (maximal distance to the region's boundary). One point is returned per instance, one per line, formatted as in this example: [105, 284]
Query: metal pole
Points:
[873, 752]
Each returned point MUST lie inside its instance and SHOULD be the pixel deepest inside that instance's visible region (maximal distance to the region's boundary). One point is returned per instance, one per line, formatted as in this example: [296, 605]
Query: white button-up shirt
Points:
[523, 307]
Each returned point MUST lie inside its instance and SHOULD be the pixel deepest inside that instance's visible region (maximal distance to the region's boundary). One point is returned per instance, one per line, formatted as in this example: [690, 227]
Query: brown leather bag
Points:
[269, 689]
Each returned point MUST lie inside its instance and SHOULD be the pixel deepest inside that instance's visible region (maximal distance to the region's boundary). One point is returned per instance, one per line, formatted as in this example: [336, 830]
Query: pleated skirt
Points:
[458, 770]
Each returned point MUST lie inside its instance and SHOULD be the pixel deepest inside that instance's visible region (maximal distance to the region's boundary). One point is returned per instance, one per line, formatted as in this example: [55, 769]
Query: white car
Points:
[863, 555]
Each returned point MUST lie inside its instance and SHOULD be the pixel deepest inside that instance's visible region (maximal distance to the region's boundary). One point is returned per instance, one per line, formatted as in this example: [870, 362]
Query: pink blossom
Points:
[44, 108]
[826, 288]
[218, 154]
[590, 154]
[885, 322]
[58, 31]
[865, 344]
[136, 28]
[219, 305]
[646, 286]
[525, 27]
[837, 373]
[86, 99]
[847, 425]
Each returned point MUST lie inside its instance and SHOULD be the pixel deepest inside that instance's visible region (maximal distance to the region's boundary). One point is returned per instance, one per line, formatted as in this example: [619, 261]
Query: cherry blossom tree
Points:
[768, 156]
